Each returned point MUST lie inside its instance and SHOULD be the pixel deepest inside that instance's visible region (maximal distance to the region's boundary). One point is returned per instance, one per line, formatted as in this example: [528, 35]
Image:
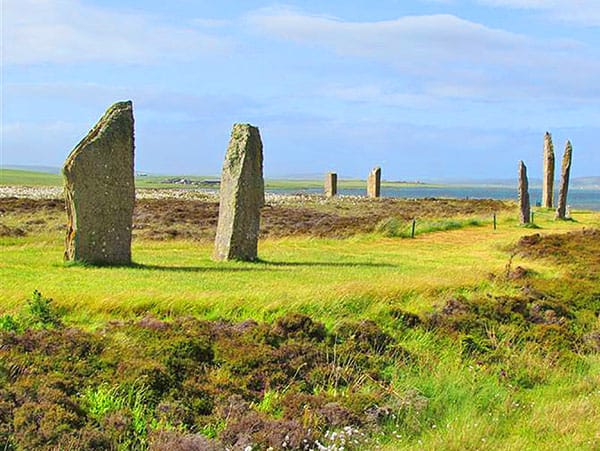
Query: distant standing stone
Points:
[100, 191]
[524, 206]
[564, 182]
[548, 180]
[242, 195]
[374, 183]
[330, 184]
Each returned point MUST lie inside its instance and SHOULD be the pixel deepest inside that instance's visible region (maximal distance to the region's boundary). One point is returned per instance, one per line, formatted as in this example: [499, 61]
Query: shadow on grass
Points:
[194, 268]
[259, 265]
[329, 264]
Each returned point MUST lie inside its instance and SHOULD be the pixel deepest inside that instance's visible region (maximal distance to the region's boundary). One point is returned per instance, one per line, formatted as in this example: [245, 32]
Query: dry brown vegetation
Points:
[300, 215]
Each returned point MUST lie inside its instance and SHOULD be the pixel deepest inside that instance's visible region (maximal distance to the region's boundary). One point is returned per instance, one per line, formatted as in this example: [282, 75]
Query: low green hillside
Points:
[28, 178]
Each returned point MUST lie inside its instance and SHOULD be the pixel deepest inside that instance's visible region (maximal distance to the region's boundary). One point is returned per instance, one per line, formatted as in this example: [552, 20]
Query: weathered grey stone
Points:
[100, 191]
[548, 177]
[524, 205]
[330, 184]
[242, 195]
[564, 182]
[374, 183]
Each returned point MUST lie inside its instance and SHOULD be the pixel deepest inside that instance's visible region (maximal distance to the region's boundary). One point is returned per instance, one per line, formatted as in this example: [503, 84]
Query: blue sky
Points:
[428, 89]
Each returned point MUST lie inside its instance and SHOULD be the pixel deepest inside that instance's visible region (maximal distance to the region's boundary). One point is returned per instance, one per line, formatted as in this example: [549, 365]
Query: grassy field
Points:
[28, 178]
[491, 347]
[328, 278]
[33, 178]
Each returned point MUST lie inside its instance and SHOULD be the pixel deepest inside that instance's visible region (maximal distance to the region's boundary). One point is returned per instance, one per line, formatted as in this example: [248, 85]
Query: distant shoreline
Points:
[9, 176]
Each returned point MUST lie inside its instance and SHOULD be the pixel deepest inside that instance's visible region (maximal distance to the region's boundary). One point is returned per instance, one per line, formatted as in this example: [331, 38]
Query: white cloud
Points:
[65, 31]
[584, 12]
[426, 40]
[378, 95]
[447, 55]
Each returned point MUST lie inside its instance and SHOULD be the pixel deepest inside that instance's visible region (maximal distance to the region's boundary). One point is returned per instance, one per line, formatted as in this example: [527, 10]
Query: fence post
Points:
[412, 233]
[495, 221]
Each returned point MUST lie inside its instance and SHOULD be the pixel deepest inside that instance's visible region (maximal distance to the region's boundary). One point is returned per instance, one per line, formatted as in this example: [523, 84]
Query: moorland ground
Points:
[464, 337]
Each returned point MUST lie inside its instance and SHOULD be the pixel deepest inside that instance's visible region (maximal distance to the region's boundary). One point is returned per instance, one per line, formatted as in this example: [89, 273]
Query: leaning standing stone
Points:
[100, 191]
[330, 184]
[548, 181]
[564, 182]
[524, 205]
[242, 195]
[374, 183]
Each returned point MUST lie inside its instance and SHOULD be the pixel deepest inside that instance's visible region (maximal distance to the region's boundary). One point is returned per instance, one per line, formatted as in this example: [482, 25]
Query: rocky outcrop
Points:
[330, 187]
[99, 189]
[524, 205]
[242, 195]
[548, 175]
[561, 211]
[374, 183]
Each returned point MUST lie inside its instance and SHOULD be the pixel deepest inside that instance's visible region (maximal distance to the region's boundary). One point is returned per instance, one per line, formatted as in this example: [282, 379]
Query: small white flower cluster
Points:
[348, 437]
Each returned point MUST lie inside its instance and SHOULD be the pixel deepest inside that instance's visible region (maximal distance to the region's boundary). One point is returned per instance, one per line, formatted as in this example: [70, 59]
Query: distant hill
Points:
[44, 169]
[586, 182]
[590, 182]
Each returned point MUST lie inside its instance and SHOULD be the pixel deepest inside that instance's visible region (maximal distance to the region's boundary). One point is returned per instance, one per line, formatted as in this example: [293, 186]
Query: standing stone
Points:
[330, 184]
[374, 183]
[548, 180]
[242, 195]
[100, 191]
[524, 205]
[564, 182]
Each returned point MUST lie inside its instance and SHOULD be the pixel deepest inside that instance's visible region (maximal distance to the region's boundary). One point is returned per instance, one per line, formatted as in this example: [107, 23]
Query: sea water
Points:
[583, 199]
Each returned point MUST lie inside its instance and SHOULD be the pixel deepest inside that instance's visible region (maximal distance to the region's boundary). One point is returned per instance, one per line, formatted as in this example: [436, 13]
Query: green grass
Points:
[323, 277]
[393, 227]
[447, 400]
[32, 178]
[28, 178]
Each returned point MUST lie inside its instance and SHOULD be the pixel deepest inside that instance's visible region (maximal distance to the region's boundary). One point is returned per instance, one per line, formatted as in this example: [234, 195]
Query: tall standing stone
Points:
[242, 196]
[524, 205]
[561, 211]
[374, 183]
[548, 177]
[100, 191]
[330, 184]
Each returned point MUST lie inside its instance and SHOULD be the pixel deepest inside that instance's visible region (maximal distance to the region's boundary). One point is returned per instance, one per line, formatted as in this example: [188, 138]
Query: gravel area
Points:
[31, 192]
[52, 192]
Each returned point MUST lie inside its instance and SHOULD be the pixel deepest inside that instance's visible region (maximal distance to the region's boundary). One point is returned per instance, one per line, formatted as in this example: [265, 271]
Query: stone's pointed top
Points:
[241, 128]
[121, 104]
[547, 135]
[568, 145]
[116, 108]
[119, 116]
